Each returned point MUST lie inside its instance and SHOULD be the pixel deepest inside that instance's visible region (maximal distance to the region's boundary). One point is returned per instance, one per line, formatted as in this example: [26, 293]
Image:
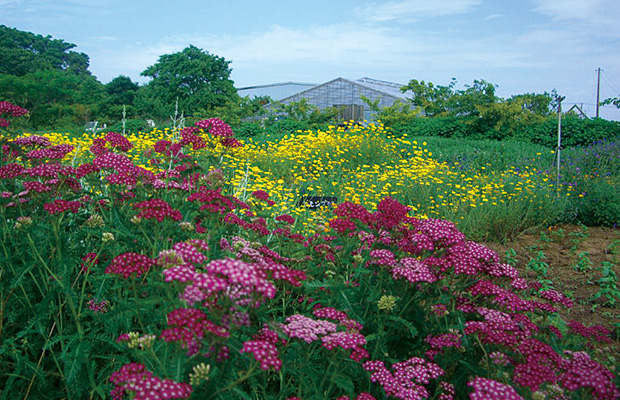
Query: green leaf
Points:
[412, 329]
[343, 382]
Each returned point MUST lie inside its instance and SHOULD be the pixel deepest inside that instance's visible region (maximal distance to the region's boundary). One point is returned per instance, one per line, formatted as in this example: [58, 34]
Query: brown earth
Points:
[562, 246]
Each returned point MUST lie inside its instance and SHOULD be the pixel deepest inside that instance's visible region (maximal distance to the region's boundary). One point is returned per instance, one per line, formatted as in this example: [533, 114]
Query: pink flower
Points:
[488, 389]
[54, 152]
[583, 372]
[408, 378]
[413, 270]
[89, 261]
[128, 264]
[118, 141]
[216, 127]
[260, 195]
[135, 379]
[597, 332]
[10, 171]
[307, 329]
[157, 209]
[264, 352]
[189, 325]
[383, 257]
[32, 141]
[60, 205]
[390, 213]
[286, 218]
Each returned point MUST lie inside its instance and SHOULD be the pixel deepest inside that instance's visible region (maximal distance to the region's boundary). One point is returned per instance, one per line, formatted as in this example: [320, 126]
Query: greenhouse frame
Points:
[342, 93]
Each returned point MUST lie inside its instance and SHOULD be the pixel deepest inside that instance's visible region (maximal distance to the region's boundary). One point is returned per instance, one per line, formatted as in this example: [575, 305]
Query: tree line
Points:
[51, 80]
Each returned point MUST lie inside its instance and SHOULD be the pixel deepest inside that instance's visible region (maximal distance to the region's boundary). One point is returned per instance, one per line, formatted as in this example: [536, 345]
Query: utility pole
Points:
[598, 90]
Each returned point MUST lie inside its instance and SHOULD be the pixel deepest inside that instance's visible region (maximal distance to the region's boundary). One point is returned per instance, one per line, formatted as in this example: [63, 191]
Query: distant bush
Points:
[600, 206]
[575, 131]
[131, 125]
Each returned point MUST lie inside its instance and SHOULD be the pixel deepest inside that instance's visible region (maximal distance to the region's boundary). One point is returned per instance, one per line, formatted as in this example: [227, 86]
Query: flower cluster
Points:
[136, 341]
[488, 389]
[189, 326]
[307, 329]
[216, 127]
[408, 379]
[583, 372]
[136, 381]
[100, 307]
[263, 347]
[53, 153]
[440, 342]
[596, 332]
[88, 261]
[60, 205]
[157, 209]
[118, 141]
[268, 261]
[12, 110]
[128, 264]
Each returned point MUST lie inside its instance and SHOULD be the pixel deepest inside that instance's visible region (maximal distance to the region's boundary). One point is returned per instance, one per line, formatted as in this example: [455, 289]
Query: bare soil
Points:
[562, 246]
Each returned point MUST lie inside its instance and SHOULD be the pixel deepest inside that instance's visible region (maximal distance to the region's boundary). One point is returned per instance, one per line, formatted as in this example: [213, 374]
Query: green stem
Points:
[47, 268]
[243, 378]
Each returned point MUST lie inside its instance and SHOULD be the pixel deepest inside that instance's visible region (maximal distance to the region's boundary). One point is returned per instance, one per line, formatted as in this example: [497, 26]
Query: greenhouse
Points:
[343, 93]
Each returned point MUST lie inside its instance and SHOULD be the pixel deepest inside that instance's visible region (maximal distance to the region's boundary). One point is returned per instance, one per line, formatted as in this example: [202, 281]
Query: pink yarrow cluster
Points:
[128, 264]
[219, 129]
[11, 110]
[488, 389]
[267, 260]
[309, 330]
[361, 396]
[135, 382]
[408, 379]
[157, 209]
[263, 347]
[189, 326]
[60, 206]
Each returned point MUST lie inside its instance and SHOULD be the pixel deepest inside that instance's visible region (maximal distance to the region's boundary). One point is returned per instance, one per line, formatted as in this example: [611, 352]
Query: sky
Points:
[522, 46]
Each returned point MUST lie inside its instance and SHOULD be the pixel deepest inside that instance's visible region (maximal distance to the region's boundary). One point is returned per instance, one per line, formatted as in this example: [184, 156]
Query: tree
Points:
[398, 113]
[432, 100]
[22, 53]
[612, 100]
[442, 101]
[199, 80]
[121, 92]
[53, 97]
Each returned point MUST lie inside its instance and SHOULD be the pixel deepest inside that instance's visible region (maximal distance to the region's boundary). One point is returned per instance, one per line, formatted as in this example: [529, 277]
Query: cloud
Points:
[413, 9]
[597, 17]
[324, 52]
[493, 16]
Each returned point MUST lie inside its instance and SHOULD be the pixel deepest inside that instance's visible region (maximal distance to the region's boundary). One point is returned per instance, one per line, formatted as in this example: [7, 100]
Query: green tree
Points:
[442, 101]
[22, 53]
[199, 80]
[120, 92]
[398, 113]
[612, 100]
[432, 100]
[55, 98]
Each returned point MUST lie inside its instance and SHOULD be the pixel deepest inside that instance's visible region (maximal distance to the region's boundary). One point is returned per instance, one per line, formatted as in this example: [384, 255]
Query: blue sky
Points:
[523, 46]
